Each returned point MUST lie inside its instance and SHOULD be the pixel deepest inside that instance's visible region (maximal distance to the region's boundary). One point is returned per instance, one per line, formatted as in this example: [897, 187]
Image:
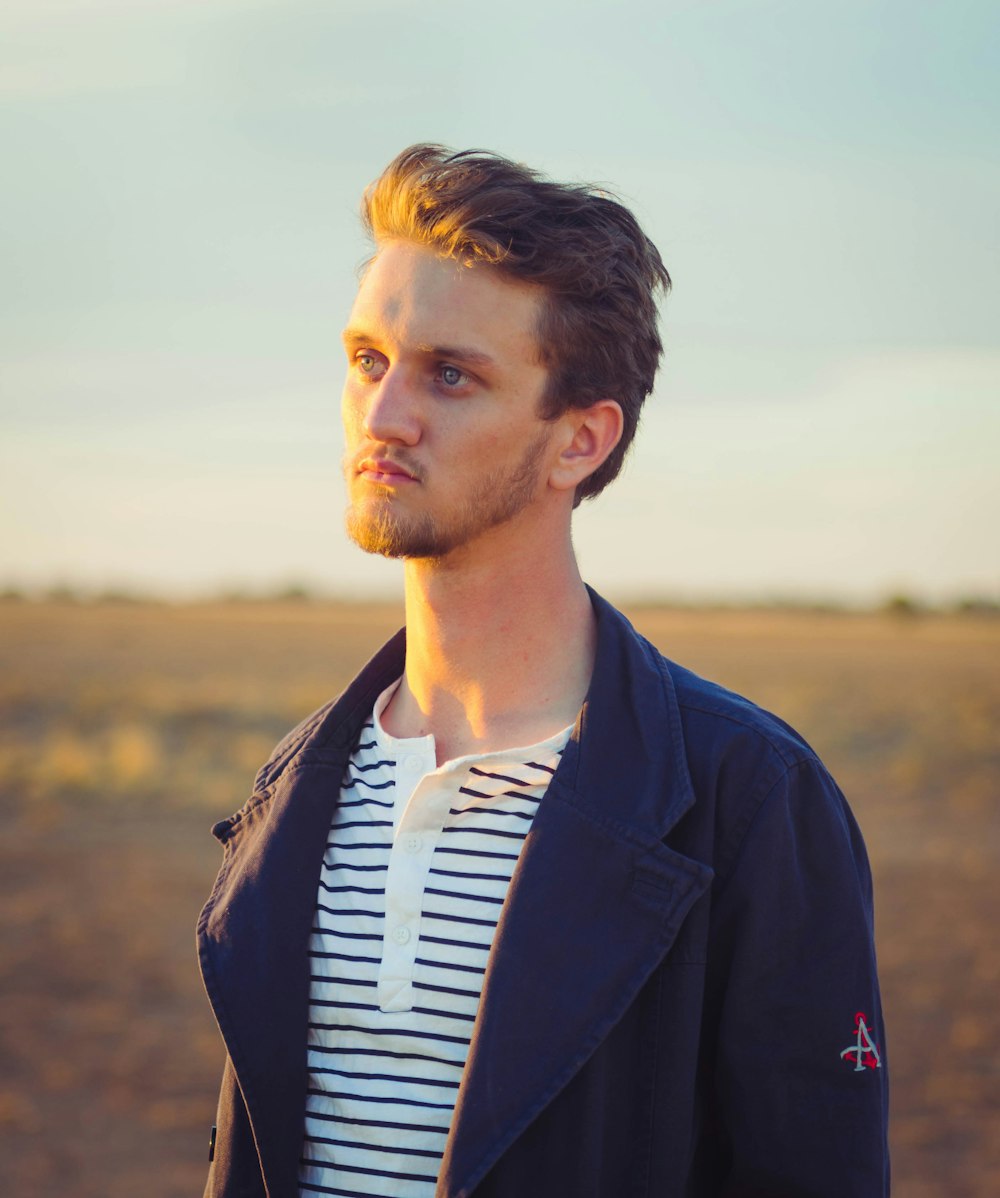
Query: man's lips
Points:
[385, 470]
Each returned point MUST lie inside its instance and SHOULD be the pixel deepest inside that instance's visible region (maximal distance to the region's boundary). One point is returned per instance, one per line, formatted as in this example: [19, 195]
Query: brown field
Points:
[128, 730]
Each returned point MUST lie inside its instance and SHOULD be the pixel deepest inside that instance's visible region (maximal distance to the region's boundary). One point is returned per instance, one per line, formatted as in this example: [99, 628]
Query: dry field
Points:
[128, 730]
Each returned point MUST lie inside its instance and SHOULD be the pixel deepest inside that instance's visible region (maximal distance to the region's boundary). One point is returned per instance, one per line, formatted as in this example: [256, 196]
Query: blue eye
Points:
[451, 376]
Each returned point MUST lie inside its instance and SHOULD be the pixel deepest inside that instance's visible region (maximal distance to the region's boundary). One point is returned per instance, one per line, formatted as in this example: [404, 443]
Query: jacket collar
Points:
[596, 901]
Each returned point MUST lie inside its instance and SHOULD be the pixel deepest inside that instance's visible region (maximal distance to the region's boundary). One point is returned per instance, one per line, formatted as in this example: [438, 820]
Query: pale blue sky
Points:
[178, 236]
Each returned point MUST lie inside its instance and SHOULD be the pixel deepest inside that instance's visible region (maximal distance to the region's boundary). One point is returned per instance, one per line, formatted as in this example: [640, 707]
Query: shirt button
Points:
[413, 763]
[412, 844]
[401, 935]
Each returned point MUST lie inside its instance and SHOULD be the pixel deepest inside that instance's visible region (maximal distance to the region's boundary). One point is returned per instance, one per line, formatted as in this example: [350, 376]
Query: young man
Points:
[529, 910]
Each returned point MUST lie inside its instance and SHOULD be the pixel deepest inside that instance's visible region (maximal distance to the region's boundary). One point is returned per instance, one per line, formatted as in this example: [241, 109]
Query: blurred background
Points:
[816, 471]
[179, 240]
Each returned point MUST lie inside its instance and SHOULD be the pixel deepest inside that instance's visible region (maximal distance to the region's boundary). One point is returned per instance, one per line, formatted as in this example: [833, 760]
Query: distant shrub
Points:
[293, 593]
[237, 595]
[121, 596]
[62, 592]
[978, 605]
[901, 606]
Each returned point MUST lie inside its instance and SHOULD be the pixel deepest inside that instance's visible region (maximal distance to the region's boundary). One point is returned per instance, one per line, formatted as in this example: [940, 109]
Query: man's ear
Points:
[591, 434]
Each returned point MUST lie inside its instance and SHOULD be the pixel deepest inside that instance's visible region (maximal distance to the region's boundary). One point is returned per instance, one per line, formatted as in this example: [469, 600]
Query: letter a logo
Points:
[866, 1054]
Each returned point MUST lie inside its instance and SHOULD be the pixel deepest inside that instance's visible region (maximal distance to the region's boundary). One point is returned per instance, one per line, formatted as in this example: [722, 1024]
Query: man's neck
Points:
[499, 652]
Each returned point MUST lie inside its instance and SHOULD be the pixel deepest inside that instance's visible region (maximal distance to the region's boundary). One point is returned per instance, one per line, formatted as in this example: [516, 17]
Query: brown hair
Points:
[598, 333]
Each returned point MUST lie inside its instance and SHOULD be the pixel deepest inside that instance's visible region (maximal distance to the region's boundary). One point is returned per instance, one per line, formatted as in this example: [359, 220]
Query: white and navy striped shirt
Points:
[413, 879]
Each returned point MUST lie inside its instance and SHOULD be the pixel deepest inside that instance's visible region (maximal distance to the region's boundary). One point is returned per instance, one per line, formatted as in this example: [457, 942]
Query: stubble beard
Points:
[378, 525]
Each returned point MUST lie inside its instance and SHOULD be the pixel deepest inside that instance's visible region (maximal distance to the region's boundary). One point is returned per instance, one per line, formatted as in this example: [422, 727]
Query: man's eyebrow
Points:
[463, 353]
[355, 335]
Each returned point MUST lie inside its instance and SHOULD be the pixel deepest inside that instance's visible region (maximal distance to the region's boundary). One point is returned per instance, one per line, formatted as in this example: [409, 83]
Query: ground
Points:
[128, 729]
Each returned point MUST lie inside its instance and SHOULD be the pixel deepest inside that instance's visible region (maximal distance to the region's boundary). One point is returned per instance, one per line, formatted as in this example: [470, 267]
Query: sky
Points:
[179, 243]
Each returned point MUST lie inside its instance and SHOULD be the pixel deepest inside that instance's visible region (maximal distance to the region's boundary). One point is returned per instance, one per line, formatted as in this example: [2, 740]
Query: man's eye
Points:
[370, 365]
[451, 376]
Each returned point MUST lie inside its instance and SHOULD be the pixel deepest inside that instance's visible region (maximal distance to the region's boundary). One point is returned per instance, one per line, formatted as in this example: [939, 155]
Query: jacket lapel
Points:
[253, 933]
[595, 903]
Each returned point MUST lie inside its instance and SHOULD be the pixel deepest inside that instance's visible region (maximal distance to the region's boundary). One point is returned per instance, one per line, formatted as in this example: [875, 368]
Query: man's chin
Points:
[389, 537]
[374, 539]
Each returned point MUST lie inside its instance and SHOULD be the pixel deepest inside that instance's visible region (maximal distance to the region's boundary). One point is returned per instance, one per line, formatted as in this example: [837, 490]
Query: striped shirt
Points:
[413, 879]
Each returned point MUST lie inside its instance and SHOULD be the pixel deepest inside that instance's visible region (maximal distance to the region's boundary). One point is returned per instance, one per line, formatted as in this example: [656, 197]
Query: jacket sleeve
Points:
[801, 1072]
[235, 1168]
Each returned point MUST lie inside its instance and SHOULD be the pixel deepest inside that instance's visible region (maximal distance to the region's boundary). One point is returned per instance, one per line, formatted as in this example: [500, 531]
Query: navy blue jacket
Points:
[681, 1001]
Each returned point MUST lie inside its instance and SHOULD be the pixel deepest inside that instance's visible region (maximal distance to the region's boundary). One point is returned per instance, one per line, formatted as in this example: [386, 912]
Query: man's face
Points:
[440, 406]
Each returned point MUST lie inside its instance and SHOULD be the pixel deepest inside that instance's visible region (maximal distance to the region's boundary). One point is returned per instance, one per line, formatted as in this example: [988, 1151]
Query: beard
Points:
[377, 525]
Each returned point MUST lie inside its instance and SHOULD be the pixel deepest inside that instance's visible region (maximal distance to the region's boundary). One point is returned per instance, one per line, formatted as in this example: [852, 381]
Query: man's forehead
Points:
[434, 303]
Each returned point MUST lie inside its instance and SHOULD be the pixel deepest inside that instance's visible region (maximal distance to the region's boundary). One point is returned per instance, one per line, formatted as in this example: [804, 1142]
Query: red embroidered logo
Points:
[864, 1050]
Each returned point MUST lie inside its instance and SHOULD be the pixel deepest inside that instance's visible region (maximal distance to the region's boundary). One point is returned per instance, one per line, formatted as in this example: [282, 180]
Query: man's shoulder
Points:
[726, 750]
[713, 714]
[330, 731]
[713, 718]
[291, 745]
[745, 762]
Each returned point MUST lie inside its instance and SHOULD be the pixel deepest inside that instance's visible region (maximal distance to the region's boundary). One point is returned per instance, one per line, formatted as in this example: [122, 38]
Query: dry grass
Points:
[127, 730]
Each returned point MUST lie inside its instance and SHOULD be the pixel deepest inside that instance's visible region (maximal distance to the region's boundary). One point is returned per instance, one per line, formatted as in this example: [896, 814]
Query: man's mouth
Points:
[385, 471]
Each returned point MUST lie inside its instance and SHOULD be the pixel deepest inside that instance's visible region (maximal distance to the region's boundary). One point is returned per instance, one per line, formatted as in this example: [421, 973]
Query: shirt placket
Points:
[423, 800]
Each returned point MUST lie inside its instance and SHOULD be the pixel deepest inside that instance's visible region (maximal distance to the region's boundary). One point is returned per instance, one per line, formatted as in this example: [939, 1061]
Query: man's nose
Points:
[391, 412]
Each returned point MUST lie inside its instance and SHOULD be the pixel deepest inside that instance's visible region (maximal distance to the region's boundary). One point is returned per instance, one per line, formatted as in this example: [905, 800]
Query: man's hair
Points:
[598, 332]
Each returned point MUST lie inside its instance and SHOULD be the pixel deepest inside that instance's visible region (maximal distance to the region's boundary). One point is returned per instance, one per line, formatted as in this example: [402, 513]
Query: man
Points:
[529, 910]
